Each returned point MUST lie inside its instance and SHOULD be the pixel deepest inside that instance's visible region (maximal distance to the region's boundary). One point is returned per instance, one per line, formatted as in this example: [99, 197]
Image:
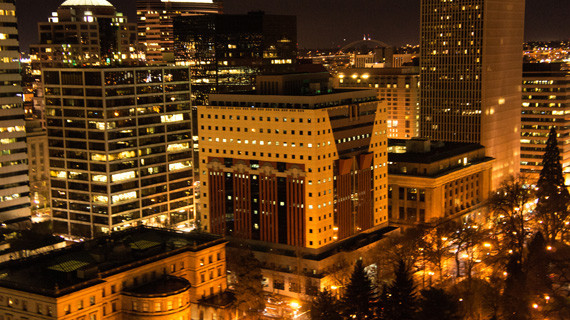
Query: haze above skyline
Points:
[332, 23]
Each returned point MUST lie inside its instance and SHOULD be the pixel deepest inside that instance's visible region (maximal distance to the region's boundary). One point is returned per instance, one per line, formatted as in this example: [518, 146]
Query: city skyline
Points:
[333, 24]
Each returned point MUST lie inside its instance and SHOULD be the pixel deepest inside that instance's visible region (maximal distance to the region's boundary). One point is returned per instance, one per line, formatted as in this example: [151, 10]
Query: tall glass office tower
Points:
[14, 189]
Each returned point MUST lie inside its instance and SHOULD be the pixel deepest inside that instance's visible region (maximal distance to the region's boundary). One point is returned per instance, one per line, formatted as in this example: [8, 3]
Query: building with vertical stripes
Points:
[119, 148]
[295, 166]
[14, 189]
[471, 75]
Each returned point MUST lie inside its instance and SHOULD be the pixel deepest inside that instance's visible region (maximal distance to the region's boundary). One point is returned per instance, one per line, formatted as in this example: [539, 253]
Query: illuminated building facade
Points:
[227, 52]
[140, 273]
[433, 181]
[14, 190]
[38, 162]
[471, 75]
[296, 167]
[155, 23]
[84, 32]
[120, 148]
[398, 87]
[546, 104]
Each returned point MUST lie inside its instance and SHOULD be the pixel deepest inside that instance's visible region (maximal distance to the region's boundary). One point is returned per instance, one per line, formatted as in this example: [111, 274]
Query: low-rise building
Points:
[430, 181]
[138, 273]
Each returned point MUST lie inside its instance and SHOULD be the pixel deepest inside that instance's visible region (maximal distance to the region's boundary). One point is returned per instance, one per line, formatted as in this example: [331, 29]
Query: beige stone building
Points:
[140, 273]
[432, 181]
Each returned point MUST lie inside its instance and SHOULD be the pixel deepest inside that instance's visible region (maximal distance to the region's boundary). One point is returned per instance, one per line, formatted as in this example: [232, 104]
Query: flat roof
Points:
[437, 152]
[84, 264]
[337, 97]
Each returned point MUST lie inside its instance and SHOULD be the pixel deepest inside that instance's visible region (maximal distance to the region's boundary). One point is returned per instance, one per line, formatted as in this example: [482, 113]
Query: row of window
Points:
[260, 118]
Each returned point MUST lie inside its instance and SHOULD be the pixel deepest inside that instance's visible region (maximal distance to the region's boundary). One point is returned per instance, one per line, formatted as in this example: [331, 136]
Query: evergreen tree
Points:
[325, 306]
[553, 196]
[382, 302]
[436, 304]
[358, 295]
[401, 303]
[515, 296]
[537, 266]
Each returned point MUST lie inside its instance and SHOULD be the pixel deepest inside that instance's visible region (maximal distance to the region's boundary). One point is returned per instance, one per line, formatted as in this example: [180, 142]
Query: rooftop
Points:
[438, 151]
[84, 264]
[87, 3]
[166, 286]
[330, 98]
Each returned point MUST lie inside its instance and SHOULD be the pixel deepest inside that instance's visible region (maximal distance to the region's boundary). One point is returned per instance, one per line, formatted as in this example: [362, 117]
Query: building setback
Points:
[546, 105]
[139, 273]
[120, 148]
[155, 23]
[14, 190]
[470, 76]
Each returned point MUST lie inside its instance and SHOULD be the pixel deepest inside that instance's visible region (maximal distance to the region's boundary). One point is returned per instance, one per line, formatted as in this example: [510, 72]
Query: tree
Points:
[436, 304]
[538, 279]
[511, 205]
[325, 306]
[478, 298]
[515, 295]
[357, 298]
[435, 246]
[248, 287]
[401, 303]
[464, 240]
[553, 196]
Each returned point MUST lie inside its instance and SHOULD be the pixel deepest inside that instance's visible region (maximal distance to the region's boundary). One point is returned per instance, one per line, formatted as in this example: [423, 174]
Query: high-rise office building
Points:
[471, 75]
[14, 189]
[155, 23]
[398, 87]
[227, 52]
[297, 167]
[546, 105]
[120, 148]
[84, 32]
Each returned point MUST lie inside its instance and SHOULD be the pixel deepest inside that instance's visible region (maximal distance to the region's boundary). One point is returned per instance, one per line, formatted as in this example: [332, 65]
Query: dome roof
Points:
[90, 3]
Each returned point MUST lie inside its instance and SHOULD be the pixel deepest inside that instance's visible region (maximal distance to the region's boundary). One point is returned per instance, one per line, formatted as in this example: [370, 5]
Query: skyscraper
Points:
[471, 73]
[84, 32]
[226, 52]
[120, 148]
[546, 104]
[14, 189]
[399, 87]
[155, 23]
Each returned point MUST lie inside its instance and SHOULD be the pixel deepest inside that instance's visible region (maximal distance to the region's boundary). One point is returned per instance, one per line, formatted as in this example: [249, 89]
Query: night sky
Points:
[327, 23]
